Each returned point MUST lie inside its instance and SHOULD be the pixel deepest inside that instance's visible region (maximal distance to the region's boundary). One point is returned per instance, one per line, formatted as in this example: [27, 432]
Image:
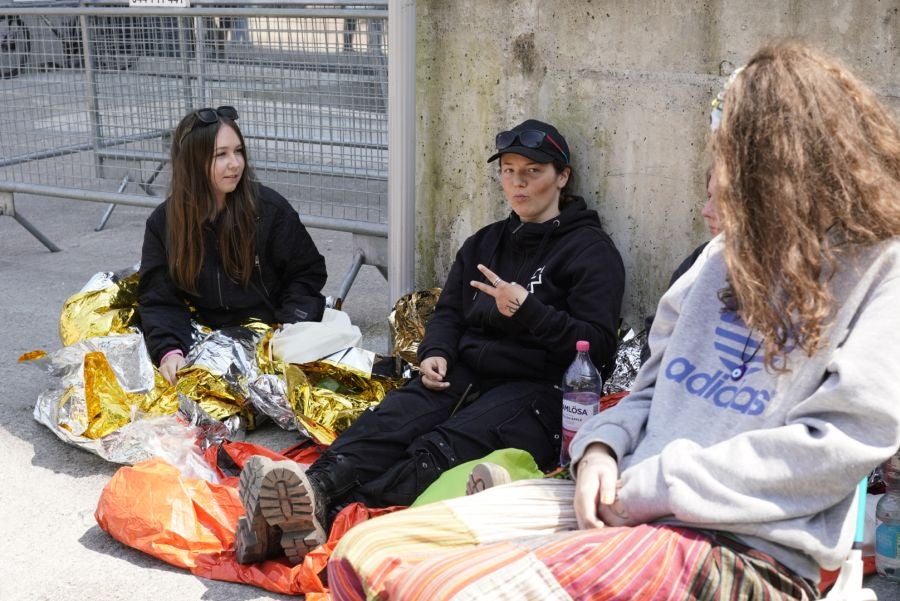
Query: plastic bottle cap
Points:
[582, 346]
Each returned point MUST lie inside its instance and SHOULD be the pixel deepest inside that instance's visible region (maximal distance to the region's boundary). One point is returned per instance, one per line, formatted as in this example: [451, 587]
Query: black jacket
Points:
[679, 271]
[285, 285]
[576, 281]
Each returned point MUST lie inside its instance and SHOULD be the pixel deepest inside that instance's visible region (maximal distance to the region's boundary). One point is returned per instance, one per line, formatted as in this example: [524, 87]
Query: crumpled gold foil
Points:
[109, 397]
[105, 305]
[271, 390]
[98, 405]
[32, 356]
[103, 382]
[354, 360]
[337, 395]
[264, 360]
[211, 391]
[323, 397]
[221, 368]
[108, 393]
[407, 320]
[108, 406]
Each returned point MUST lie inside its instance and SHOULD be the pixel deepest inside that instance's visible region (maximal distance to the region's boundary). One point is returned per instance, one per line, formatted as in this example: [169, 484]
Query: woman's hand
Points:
[596, 486]
[433, 371]
[170, 365]
[509, 295]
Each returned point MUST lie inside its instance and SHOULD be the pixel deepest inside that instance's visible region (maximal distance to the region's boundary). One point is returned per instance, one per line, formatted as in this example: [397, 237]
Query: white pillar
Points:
[401, 147]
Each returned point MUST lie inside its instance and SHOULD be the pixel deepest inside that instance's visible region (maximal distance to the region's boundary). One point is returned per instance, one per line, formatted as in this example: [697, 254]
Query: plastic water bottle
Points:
[887, 522]
[581, 396]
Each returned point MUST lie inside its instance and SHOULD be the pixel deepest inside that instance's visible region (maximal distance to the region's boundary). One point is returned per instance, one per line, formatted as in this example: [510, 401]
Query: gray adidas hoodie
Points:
[773, 458]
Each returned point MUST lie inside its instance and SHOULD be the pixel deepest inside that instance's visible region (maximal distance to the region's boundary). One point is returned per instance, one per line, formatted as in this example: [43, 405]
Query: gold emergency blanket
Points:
[324, 397]
[105, 305]
[103, 386]
[106, 380]
[407, 320]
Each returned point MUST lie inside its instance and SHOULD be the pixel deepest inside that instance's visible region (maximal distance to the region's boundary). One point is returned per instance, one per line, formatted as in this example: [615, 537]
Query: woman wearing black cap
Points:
[519, 295]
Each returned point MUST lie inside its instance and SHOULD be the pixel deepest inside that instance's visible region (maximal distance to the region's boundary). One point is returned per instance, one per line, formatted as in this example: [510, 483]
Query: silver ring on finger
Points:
[497, 281]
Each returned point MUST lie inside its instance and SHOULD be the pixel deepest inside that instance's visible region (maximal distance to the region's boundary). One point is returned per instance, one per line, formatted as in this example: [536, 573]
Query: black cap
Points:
[552, 148]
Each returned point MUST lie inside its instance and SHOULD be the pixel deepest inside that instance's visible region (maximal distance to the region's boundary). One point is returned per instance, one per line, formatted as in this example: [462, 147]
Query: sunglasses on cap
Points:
[208, 116]
[529, 138]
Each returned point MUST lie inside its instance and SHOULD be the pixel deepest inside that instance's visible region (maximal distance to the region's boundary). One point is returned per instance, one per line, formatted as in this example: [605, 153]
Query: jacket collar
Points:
[574, 214]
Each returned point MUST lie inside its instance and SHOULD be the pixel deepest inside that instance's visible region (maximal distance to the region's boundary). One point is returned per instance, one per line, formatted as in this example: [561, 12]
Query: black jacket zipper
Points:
[219, 286]
[261, 280]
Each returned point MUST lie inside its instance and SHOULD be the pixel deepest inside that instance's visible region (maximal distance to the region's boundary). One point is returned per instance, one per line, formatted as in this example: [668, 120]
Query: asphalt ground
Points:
[51, 548]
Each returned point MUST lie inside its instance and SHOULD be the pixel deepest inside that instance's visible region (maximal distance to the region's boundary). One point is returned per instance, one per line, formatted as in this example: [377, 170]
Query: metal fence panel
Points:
[89, 96]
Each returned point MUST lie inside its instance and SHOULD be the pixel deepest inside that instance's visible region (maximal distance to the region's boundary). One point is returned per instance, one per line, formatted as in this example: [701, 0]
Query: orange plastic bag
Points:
[191, 523]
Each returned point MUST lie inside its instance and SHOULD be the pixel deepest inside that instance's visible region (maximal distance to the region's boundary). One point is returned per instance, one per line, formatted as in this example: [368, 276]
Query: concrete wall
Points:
[628, 82]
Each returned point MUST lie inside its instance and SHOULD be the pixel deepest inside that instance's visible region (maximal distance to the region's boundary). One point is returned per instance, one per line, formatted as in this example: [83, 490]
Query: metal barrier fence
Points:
[89, 95]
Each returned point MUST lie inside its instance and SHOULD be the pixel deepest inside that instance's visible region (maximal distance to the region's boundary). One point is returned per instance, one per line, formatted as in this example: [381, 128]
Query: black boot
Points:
[334, 478]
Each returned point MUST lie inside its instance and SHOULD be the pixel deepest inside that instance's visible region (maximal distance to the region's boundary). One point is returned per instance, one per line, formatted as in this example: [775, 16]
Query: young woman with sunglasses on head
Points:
[519, 295]
[229, 247]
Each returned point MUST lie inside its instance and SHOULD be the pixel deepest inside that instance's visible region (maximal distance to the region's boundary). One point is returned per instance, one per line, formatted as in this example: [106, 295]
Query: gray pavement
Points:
[50, 545]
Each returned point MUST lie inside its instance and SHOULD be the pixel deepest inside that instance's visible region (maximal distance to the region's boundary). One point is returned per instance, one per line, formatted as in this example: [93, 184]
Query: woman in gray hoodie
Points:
[729, 472]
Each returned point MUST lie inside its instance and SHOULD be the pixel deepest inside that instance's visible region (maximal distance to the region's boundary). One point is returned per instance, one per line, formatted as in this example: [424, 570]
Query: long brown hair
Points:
[192, 204]
[805, 155]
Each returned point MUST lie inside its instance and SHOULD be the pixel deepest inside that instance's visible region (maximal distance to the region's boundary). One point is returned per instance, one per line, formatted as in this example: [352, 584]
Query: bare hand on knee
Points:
[433, 371]
[596, 486]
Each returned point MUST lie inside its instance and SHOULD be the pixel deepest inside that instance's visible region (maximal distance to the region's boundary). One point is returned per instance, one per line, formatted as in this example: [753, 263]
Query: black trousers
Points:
[395, 450]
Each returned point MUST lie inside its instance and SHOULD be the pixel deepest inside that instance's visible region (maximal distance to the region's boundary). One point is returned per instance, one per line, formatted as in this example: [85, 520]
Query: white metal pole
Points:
[401, 147]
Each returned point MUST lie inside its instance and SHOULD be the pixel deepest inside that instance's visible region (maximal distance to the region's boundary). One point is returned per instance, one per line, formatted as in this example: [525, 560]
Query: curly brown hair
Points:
[807, 160]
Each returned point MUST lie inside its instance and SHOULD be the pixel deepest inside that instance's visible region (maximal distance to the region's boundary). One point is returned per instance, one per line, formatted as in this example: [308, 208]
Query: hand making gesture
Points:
[509, 295]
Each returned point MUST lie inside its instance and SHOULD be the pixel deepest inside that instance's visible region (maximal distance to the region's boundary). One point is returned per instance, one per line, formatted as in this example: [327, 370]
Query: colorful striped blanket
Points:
[520, 541]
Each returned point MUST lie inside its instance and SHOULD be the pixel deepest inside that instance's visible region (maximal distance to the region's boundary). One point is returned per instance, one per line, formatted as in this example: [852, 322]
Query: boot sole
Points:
[251, 540]
[486, 475]
[280, 492]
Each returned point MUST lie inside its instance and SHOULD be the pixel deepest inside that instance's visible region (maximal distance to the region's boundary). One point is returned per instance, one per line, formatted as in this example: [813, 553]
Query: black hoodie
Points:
[575, 279]
[285, 285]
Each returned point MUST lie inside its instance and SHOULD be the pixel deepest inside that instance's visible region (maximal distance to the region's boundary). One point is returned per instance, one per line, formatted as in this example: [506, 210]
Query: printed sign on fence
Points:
[162, 3]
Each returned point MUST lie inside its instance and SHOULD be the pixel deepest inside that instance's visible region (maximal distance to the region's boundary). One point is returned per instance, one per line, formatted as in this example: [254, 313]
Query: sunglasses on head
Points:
[208, 116]
[529, 138]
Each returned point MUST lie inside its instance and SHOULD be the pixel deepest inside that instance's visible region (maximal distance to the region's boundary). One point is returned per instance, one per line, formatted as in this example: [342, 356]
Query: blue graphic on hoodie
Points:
[735, 346]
